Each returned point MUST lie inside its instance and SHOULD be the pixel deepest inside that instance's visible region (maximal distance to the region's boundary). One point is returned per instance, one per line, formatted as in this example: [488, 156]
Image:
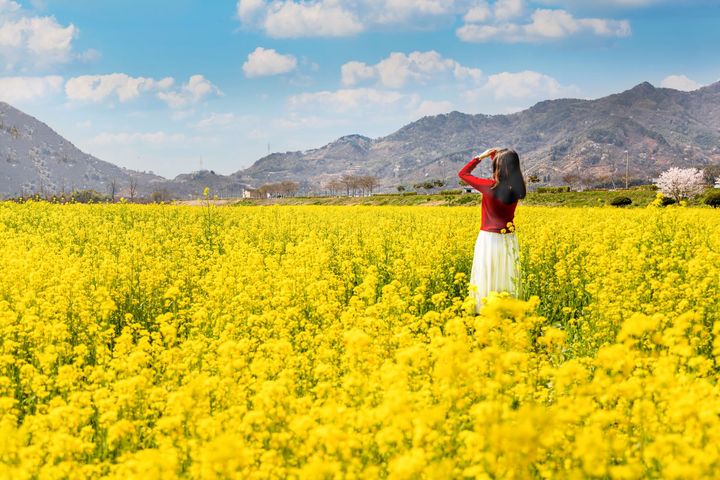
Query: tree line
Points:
[353, 184]
[281, 189]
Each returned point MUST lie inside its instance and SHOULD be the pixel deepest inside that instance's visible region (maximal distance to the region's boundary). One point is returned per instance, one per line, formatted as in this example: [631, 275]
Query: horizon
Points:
[127, 85]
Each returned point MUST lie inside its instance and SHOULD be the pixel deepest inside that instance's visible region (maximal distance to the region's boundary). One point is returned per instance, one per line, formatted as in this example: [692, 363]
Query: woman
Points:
[495, 265]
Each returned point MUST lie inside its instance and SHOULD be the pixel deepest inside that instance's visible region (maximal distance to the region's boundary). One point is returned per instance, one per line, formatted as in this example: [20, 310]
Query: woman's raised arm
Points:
[480, 184]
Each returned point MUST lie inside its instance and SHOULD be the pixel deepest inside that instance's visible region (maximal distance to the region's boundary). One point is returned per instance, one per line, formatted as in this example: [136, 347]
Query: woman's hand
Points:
[487, 153]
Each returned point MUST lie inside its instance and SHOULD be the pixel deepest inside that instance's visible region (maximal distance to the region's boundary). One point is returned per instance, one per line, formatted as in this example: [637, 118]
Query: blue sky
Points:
[170, 86]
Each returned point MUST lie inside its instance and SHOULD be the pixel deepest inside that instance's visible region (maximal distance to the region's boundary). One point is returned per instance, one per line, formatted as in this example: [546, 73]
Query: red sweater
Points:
[495, 214]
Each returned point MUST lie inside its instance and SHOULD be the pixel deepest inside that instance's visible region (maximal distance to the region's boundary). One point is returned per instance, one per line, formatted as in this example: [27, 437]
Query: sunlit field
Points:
[340, 342]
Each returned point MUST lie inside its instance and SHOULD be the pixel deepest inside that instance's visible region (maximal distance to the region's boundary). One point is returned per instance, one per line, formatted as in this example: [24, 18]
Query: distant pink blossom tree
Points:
[680, 182]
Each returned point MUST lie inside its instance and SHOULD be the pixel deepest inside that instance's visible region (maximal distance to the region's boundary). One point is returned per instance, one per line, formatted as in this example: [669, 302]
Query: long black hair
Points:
[509, 182]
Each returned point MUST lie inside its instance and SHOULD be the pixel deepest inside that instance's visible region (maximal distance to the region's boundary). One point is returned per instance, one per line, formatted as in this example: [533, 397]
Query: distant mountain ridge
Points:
[658, 127]
[35, 159]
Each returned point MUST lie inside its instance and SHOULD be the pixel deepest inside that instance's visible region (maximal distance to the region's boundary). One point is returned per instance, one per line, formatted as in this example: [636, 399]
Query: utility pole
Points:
[627, 165]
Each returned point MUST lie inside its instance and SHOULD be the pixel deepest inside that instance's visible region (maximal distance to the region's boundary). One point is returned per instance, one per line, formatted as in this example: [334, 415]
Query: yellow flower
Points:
[313, 342]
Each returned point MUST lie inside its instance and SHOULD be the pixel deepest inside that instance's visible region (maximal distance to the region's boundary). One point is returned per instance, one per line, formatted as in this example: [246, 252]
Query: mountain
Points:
[348, 154]
[659, 127]
[35, 159]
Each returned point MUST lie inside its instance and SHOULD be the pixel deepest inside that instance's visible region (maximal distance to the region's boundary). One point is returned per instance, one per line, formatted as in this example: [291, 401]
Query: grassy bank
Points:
[588, 198]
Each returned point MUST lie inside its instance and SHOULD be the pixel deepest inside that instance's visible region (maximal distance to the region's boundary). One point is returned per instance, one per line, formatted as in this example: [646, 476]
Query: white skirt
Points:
[495, 265]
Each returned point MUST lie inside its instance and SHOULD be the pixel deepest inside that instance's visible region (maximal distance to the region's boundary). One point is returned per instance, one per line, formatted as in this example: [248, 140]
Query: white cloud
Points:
[263, 62]
[481, 33]
[680, 82]
[166, 83]
[478, 13]
[544, 24]
[95, 88]
[7, 6]
[27, 41]
[605, 3]
[397, 11]
[194, 91]
[21, 89]
[559, 23]
[356, 72]
[248, 9]
[89, 55]
[428, 108]
[507, 9]
[322, 19]
[398, 69]
[510, 92]
[552, 24]
[521, 85]
[353, 99]
[216, 120]
[337, 18]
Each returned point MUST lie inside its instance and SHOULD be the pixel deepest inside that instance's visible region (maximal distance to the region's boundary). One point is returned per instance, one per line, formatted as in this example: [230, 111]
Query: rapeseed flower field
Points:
[341, 342]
